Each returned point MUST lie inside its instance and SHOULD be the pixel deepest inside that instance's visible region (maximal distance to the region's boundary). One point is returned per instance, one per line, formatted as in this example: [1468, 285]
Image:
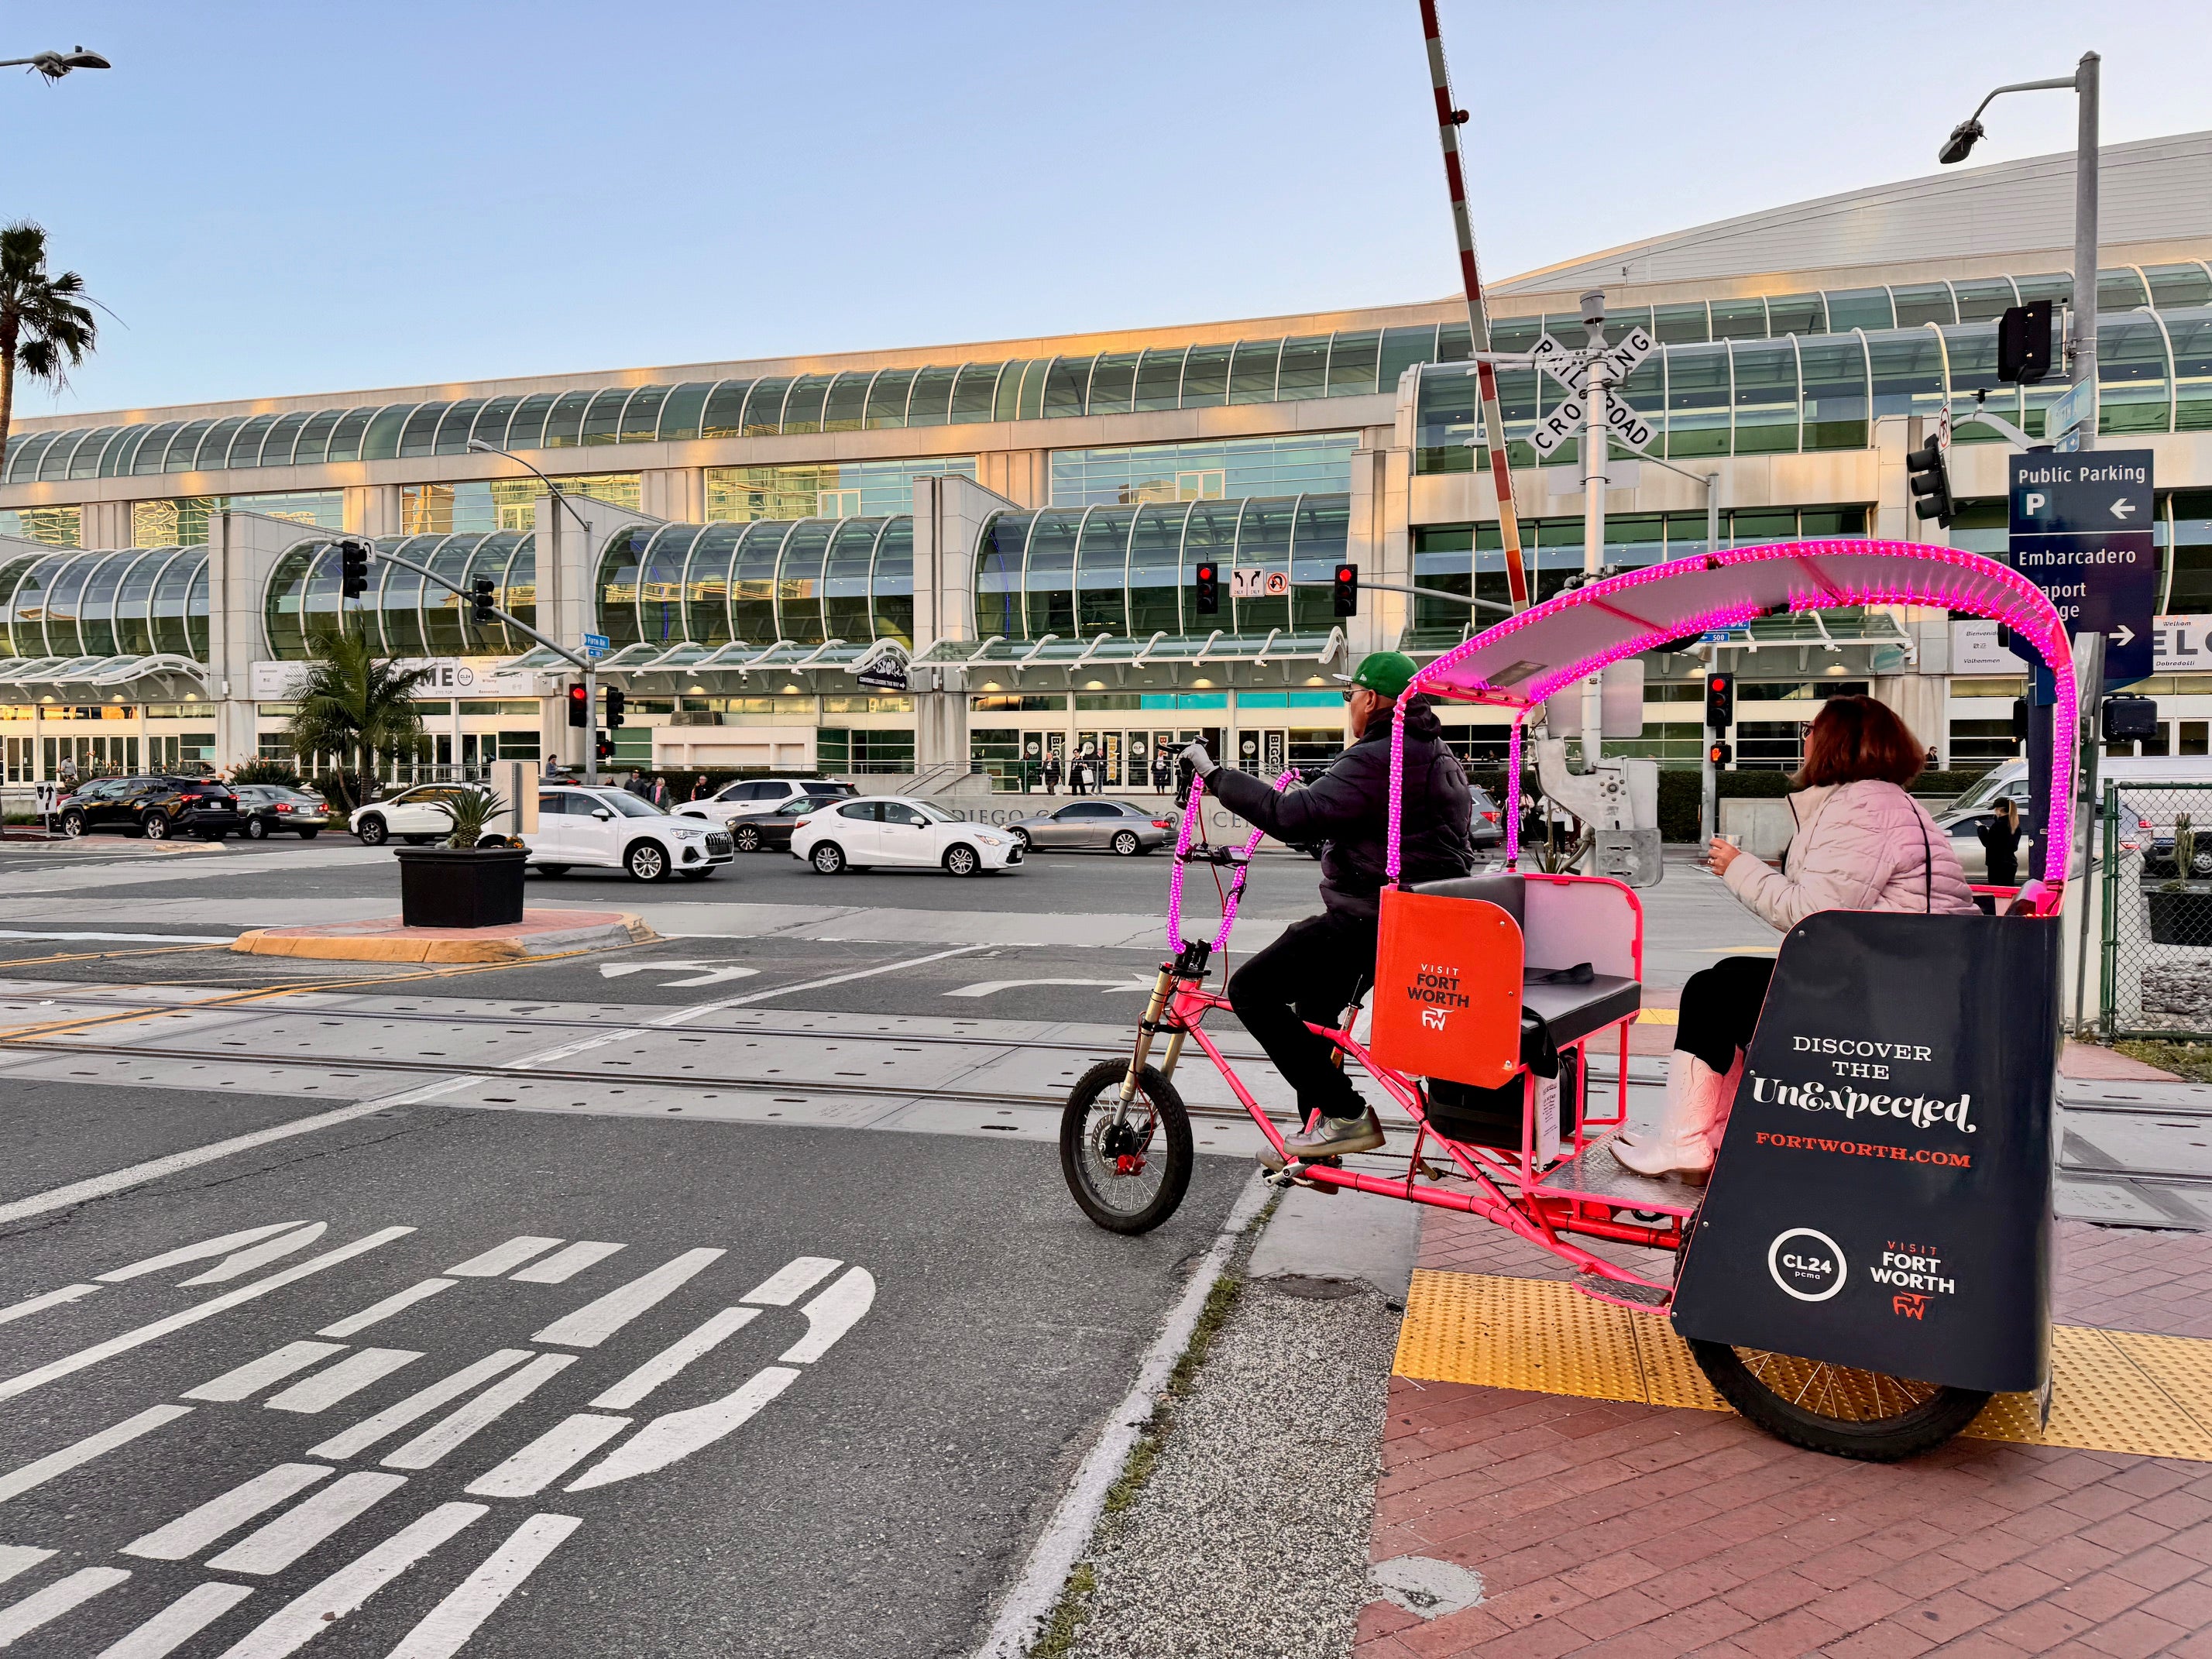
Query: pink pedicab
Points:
[1870, 1260]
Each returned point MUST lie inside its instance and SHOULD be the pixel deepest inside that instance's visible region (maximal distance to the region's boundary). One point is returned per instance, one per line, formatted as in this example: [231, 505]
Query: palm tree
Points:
[355, 705]
[45, 329]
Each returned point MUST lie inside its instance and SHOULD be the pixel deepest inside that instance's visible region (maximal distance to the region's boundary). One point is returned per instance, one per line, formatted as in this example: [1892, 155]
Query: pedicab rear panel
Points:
[1882, 1194]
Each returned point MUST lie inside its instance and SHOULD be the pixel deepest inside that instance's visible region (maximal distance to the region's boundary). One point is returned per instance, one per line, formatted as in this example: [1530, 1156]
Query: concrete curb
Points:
[431, 945]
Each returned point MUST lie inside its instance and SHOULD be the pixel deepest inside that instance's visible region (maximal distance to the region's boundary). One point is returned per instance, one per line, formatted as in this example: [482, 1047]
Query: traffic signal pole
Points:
[1596, 442]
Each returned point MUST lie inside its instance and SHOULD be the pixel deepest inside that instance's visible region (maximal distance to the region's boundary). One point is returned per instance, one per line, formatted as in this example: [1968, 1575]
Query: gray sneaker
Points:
[1332, 1137]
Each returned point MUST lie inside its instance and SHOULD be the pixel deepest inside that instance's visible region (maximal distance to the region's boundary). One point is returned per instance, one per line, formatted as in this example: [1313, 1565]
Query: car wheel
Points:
[373, 832]
[73, 825]
[156, 826]
[647, 861]
[309, 835]
[1126, 843]
[746, 838]
[256, 830]
[551, 869]
[962, 861]
[694, 875]
[211, 834]
[1022, 837]
[827, 858]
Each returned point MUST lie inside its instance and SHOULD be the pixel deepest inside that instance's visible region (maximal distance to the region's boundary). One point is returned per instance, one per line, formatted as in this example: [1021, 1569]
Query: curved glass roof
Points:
[132, 602]
[405, 615]
[1349, 362]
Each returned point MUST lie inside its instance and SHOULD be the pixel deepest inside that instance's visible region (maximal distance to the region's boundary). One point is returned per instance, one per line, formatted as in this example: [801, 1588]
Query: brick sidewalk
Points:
[1602, 1528]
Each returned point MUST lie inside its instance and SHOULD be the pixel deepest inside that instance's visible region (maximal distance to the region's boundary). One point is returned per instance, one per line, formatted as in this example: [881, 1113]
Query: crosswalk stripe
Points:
[194, 1531]
[792, 1280]
[549, 1456]
[674, 1436]
[30, 1305]
[564, 1265]
[255, 1375]
[351, 1442]
[479, 1414]
[377, 1312]
[448, 1626]
[671, 1360]
[16, 1482]
[273, 1548]
[305, 1617]
[500, 1257]
[832, 1313]
[177, 1623]
[595, 1321]
[19, 1558]
[43, 1607]
[342, 1381]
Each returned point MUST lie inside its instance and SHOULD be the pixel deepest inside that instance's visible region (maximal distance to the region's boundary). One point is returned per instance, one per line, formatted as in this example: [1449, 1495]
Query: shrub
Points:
[266, 769]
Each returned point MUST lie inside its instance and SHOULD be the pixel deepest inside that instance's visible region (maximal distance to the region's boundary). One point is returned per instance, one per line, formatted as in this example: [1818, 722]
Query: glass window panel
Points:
[1263, 541]
[973, 393]
[86, 458]
[399, 597]
[1644, 391]
[1697, 400]
[798, 581]
[1155, 574]
[2120, 289]
[891, 587]
[1252, 373]
[1304, 372]
[1834, 372]
[930, 402]
[1206, 376]
[1566, 327]
[54, 461]
[1923, 302]
[1102, 565]
[846, 407]
[2192, 372]
[491, 422]
[1112, 383]
[154, 447]
[1210, 533]
[1972, 351]
[184, 448]
[1352, 364]
[448, 634]
[1733, 319]
[1065, 383]
[1908, 373]
[214, 452]
[1443, 558]
[680, 412]
[887, 399]
[1766, 397]
[1455, 342]
[1317, 547]
[12, 573]
[122, 451]
[641, 416]
[998, 552]
[1028, 404]
[1159, 379]
[1796, 313]
[277, 442]
[134, 604]
[802, 407]
[1619, 324]
[1982, 299]
[62, 609]
[1682, 325]
[2056, 286]
[380, 442]
[173, 599]
[1404, 347]
[1049, 573]
[33, 589]
[1860, 308]
[346, 437]
[753, 584]
[96, 610]
[2131, 383]
[196, 609]
[620, 562]
[419, 436]
[2172, 287]
[661, 585]
[1445, 416]
[743, 409]
[492, 558]
[1522, 333]
[706, 584]
[845, 576]
[564, 423]
[313, 443]
[1632, 540]
[1006, 389]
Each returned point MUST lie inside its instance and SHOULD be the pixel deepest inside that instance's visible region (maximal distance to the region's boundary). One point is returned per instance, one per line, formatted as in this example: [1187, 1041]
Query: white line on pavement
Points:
[498, 1259]
[792, 1280]
[377, 1312]
[448, 1626]
[25, 1309]
[672, 1437]
[19, 1558]
[340, 1382]
[480, 1413]
[549, 1456]
[273, 1548]
[199, 1252]
[311, 1612]
[671, 1360]
[194, 1530]
[16, 1482]
[595, 1321]
[350, 1442]
[156, 938]
[832, 1313]
[57, 1599]
[255, 1375]
[177, 1623]
[564, 1265]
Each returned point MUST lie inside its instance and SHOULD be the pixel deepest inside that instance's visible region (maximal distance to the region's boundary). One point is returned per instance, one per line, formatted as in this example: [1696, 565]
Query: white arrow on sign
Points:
[2124, 635]
[2122, 508]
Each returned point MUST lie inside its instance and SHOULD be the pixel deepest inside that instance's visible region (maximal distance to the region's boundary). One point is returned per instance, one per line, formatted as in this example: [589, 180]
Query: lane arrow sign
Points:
[2124, 635]
[2122, 508]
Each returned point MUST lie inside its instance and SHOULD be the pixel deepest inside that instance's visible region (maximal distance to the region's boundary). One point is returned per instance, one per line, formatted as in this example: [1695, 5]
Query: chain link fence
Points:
[2157, 909]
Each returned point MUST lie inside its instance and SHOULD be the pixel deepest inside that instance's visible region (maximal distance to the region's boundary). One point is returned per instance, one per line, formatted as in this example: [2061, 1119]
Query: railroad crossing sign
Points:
[1573, 414]
[1572, 370]
[2082, 532]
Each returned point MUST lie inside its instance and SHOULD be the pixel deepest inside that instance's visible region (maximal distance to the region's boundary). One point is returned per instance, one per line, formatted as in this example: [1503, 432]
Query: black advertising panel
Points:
[1882, 1196]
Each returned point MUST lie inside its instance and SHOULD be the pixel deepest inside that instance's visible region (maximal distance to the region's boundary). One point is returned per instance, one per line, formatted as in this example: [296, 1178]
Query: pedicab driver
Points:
[1312, 971]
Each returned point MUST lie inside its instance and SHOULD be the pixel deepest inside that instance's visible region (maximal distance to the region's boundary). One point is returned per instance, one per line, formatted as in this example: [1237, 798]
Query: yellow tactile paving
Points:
[2121, 1391]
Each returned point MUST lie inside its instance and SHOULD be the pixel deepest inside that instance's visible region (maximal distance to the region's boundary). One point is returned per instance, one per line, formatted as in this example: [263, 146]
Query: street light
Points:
[55, 64]
[1961, 144]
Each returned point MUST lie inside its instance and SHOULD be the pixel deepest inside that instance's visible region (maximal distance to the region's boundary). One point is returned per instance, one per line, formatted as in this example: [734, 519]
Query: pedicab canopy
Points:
[1529, 657]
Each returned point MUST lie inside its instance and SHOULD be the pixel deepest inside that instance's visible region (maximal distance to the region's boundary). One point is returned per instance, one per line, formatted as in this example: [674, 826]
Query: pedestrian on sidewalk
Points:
[2000, 839]
[1862, 843]
[1163, 774]
[1052, 774]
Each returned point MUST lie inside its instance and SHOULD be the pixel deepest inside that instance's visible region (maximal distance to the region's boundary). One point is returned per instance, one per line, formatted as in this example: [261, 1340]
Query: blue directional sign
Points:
[597, 645]
[2082, 532]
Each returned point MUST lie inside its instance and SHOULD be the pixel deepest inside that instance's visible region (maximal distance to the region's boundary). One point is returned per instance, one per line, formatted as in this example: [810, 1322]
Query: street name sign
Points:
[2064, 418]
[2081, 530]
[597, 646]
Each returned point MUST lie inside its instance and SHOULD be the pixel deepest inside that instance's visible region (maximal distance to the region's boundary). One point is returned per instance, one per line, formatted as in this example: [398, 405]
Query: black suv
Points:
[156, 808]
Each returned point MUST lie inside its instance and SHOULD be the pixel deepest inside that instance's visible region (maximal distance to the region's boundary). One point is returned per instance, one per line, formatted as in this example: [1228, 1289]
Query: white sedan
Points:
[892, 829]
[416, 816]
[613, 829]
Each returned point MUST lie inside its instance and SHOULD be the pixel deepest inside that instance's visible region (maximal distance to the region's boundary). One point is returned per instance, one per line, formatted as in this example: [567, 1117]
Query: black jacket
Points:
[1348, 806]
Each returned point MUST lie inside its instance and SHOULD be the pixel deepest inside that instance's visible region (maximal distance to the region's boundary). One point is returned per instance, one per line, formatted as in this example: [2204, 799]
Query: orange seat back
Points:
[1447, 989]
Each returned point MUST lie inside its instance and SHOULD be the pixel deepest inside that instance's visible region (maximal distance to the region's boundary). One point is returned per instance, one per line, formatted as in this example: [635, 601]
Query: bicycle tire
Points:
[1164, 1140]
[1932, 1412]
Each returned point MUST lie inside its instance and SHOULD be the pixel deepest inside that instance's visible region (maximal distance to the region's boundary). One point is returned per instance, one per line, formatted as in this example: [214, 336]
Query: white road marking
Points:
[448, 1626]
[25, 1309]
[362, 1435]
[340, 1382]
[714, 972]
[177, 1623]
[256, 1375]
[549, 1458]
[273, 1548]
[19, 1558]
[595, 1321]
[671, 1360]
[156, 938]
[562, 1265]
[498, 1259]
[672, 1437]
[479, 1414]
[377, 1312]
[24, 1382]
[16, 1482]
[194, 1531]
[57, 1598]
[199, 1252]
[241, 1262]
[313, 1610]
[832, 1313]
[992, 986]
[792, 1280]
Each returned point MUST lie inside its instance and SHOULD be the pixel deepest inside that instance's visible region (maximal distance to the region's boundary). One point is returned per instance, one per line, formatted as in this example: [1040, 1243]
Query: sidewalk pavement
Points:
[1602, 1527]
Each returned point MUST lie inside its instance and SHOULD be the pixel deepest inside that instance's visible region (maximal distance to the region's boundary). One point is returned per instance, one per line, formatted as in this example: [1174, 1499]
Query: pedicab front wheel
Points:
[1129, 1171]
[1837, 1409]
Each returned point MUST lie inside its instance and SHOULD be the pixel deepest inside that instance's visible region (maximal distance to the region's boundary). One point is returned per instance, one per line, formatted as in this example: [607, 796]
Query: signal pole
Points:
[1595, 443]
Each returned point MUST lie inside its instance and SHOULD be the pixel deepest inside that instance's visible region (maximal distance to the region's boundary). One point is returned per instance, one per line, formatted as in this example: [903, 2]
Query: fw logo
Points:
[1434, 1017]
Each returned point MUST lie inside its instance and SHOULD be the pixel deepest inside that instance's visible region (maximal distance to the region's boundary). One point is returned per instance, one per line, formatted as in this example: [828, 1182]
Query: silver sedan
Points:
[1113, 825]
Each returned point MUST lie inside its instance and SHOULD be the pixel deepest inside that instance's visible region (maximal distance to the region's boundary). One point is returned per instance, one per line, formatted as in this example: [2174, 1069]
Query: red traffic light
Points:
[1345, 591]
[579, 705]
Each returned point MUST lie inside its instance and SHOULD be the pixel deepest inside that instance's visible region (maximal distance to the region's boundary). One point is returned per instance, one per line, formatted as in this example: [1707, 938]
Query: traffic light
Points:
[1720, 702]
[579, 705]
[2024, 342]
[1347, 593]
[353, 568]
[2019, 720]
[1207, 580]
[1930, 483]
[480, 592]
[604, 746]
[2128, 715]
[616, 703]
[1720, 754]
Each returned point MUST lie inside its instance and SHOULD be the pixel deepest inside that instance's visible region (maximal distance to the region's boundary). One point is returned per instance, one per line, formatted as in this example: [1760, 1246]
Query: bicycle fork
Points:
[1163, 990]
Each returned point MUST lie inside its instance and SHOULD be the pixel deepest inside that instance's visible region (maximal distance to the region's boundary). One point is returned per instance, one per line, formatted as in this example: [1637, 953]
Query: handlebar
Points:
[1237, 857]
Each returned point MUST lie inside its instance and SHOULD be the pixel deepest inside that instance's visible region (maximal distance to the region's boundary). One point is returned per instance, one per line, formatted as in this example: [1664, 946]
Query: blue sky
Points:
[336, 195]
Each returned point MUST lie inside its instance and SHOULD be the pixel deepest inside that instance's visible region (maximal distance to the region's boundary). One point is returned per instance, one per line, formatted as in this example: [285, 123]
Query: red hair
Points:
[1856, 738]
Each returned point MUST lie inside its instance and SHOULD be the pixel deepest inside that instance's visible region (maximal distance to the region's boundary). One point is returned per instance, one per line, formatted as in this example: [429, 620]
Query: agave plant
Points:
[471, 811]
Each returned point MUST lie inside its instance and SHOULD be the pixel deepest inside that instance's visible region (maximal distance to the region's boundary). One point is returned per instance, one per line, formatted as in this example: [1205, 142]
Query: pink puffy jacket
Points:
[1864, 846]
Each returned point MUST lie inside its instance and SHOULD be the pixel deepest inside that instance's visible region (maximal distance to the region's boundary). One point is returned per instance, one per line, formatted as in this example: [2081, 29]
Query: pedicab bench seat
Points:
[1569, 1011]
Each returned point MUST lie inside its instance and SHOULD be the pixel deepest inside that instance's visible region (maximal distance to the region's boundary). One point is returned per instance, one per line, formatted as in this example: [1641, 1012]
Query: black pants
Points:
[1309, 973]
[1720, 1007]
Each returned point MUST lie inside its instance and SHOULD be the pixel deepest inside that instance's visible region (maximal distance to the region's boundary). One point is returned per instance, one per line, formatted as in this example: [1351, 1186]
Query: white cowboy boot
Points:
[1697, 1101]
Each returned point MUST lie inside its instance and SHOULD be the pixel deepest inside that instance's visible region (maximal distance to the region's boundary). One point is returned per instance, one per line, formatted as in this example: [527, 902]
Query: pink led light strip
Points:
[1190, 812]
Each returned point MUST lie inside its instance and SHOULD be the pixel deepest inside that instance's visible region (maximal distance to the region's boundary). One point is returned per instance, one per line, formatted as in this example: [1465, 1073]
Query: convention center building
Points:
[766, 547]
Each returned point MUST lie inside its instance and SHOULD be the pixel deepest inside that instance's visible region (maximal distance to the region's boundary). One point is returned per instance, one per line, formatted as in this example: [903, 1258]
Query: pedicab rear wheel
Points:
[1837, 1409]
[1128, 1176]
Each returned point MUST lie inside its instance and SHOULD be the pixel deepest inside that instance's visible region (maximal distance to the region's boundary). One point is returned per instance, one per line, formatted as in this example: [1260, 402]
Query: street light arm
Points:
[512, 621]
[551, 488]
[2066, 83]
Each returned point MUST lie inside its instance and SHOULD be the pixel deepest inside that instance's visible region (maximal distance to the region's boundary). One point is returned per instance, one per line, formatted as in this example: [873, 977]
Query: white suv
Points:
[756, 797]
[416, 816]
[612, 828]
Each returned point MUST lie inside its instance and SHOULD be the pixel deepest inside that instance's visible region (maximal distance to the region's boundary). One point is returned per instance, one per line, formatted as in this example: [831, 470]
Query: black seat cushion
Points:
[1506, 892]
[1576, 1010]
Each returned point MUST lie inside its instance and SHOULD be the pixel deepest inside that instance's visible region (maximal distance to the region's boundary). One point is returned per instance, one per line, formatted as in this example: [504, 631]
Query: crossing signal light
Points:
[480, 592]
[1346, 590]
[616, 701]
[1207, 580]
[353, 568]
[1720, 702]
[604, 746]
[2019, 720]
[1930, 483]
[1720, 754]
[579, 705]
[2024, 342]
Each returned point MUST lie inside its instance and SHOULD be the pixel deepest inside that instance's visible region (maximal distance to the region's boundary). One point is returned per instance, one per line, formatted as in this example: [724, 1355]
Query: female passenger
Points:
[1861, 843]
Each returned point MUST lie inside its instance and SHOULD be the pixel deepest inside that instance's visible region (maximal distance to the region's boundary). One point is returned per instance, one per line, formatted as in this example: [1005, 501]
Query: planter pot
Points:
[442, 887]
[2183, 917]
